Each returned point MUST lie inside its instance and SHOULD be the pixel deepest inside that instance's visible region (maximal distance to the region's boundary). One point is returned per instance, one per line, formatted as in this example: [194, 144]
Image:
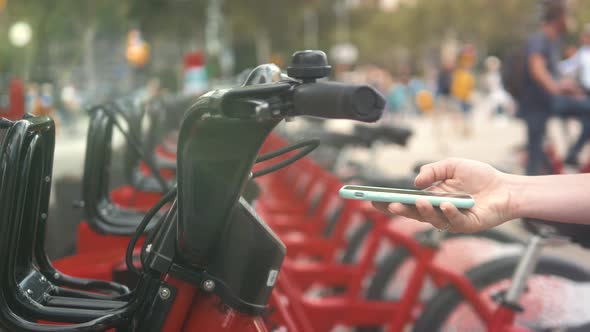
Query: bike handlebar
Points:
[334, 100]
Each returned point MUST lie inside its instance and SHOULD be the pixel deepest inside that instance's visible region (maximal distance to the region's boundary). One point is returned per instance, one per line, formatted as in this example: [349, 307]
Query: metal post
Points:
[436, 237]
[310, 28]
[525, 268]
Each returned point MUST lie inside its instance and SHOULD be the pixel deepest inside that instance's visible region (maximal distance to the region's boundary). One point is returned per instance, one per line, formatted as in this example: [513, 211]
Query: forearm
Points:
[563, 198]
[548, 83]
[542, 76]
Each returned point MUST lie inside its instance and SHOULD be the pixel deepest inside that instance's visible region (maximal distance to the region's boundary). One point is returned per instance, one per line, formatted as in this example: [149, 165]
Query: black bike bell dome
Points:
[309, 65]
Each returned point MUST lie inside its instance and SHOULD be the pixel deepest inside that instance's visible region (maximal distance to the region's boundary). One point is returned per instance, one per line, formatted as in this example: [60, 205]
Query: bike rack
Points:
[26, 294]
[102, 214]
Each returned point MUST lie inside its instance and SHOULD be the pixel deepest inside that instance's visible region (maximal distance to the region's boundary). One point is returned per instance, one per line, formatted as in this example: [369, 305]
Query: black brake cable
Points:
[134, 143]
[142, 226]
[305, 148]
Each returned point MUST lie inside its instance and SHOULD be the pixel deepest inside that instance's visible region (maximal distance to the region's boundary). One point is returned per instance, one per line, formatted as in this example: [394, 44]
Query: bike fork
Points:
[504, 316]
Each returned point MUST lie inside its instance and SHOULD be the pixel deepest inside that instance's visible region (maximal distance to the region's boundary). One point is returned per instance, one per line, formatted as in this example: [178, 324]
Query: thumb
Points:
[438, 171]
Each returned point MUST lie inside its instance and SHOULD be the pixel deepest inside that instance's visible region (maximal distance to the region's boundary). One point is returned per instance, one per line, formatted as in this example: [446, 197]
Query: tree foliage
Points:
[415, 29]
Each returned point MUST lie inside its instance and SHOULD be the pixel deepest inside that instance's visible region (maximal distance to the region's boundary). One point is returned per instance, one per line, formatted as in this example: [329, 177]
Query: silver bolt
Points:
[208, 285]
[43, 279]
[47, 178]
[30, 292]
[43, 216]
[148, 248]
[164, 293]
[56, 275]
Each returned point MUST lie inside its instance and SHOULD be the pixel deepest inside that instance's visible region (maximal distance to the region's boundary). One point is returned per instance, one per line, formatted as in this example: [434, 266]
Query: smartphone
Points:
[405, 196]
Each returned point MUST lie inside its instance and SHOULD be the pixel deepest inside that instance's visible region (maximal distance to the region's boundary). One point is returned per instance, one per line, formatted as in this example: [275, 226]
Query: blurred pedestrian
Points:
[544, 94]
[71, 102]
[399, 98]
[580, 73]
[463, 83]
[499, 101]
[577, 65]
[32, 98]
[444, 106]
[45, 105]
[149, 91]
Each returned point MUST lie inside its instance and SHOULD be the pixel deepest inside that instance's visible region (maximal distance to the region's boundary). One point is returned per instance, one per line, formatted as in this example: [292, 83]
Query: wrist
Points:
[516, 193]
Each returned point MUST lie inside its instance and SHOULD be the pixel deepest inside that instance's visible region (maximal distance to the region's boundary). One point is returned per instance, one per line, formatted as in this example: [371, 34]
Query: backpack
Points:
[514, 70]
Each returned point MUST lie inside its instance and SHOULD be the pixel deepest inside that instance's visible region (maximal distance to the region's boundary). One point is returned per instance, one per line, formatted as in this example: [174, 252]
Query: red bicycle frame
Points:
[194, 310]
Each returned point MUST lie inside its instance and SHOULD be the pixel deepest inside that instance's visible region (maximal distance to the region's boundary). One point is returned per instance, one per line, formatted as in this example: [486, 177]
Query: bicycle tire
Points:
[398, 255]
[355, 242]
[390, 264]
[438, 309]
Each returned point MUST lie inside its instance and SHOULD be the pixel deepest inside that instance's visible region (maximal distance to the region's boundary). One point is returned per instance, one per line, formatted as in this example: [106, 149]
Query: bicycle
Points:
[489, 280]
[219, 278]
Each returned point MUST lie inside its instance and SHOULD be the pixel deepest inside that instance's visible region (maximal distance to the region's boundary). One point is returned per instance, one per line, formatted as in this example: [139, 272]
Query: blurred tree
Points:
[421, 25]
[82, 33]
[276, 26]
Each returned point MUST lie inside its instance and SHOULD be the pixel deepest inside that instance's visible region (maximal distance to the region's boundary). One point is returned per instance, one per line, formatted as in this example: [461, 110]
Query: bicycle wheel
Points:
[355, 243]
[399, 256]
[390, 265]
[439, 310]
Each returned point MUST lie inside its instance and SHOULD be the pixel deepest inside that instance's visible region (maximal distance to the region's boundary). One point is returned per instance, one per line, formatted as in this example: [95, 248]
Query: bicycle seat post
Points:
[434, 238]
[524, 269]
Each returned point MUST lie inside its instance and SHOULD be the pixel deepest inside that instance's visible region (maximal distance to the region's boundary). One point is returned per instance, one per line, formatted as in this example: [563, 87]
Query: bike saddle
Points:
[341, 140]
[390, 134]
[27, 293]
[577, 233]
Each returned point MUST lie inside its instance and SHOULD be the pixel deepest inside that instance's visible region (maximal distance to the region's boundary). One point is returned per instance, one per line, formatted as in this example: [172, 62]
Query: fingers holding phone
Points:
[415, 204]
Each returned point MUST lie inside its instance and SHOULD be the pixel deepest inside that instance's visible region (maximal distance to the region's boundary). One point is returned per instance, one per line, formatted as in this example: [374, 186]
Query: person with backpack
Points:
[577, 65]
[542, 94]
[577, 68]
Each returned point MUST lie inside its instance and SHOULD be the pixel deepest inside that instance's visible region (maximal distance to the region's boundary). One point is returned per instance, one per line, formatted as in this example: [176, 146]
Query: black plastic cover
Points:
[249, 256]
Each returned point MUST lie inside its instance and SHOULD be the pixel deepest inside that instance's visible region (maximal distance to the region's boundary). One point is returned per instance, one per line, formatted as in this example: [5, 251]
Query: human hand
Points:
[487, 185]
[570, 88]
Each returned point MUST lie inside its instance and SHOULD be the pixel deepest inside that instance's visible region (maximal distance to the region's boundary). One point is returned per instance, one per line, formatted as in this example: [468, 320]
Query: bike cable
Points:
[305, 148]
[170, 195]
[133, 141]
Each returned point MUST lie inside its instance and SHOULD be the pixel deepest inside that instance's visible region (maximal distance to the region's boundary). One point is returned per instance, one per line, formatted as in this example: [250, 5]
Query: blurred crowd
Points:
[65, 103]
[541, 78]
[446, 92]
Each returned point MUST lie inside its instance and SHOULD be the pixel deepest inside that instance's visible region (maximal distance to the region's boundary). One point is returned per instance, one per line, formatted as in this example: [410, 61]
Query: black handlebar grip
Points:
[338, 101]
